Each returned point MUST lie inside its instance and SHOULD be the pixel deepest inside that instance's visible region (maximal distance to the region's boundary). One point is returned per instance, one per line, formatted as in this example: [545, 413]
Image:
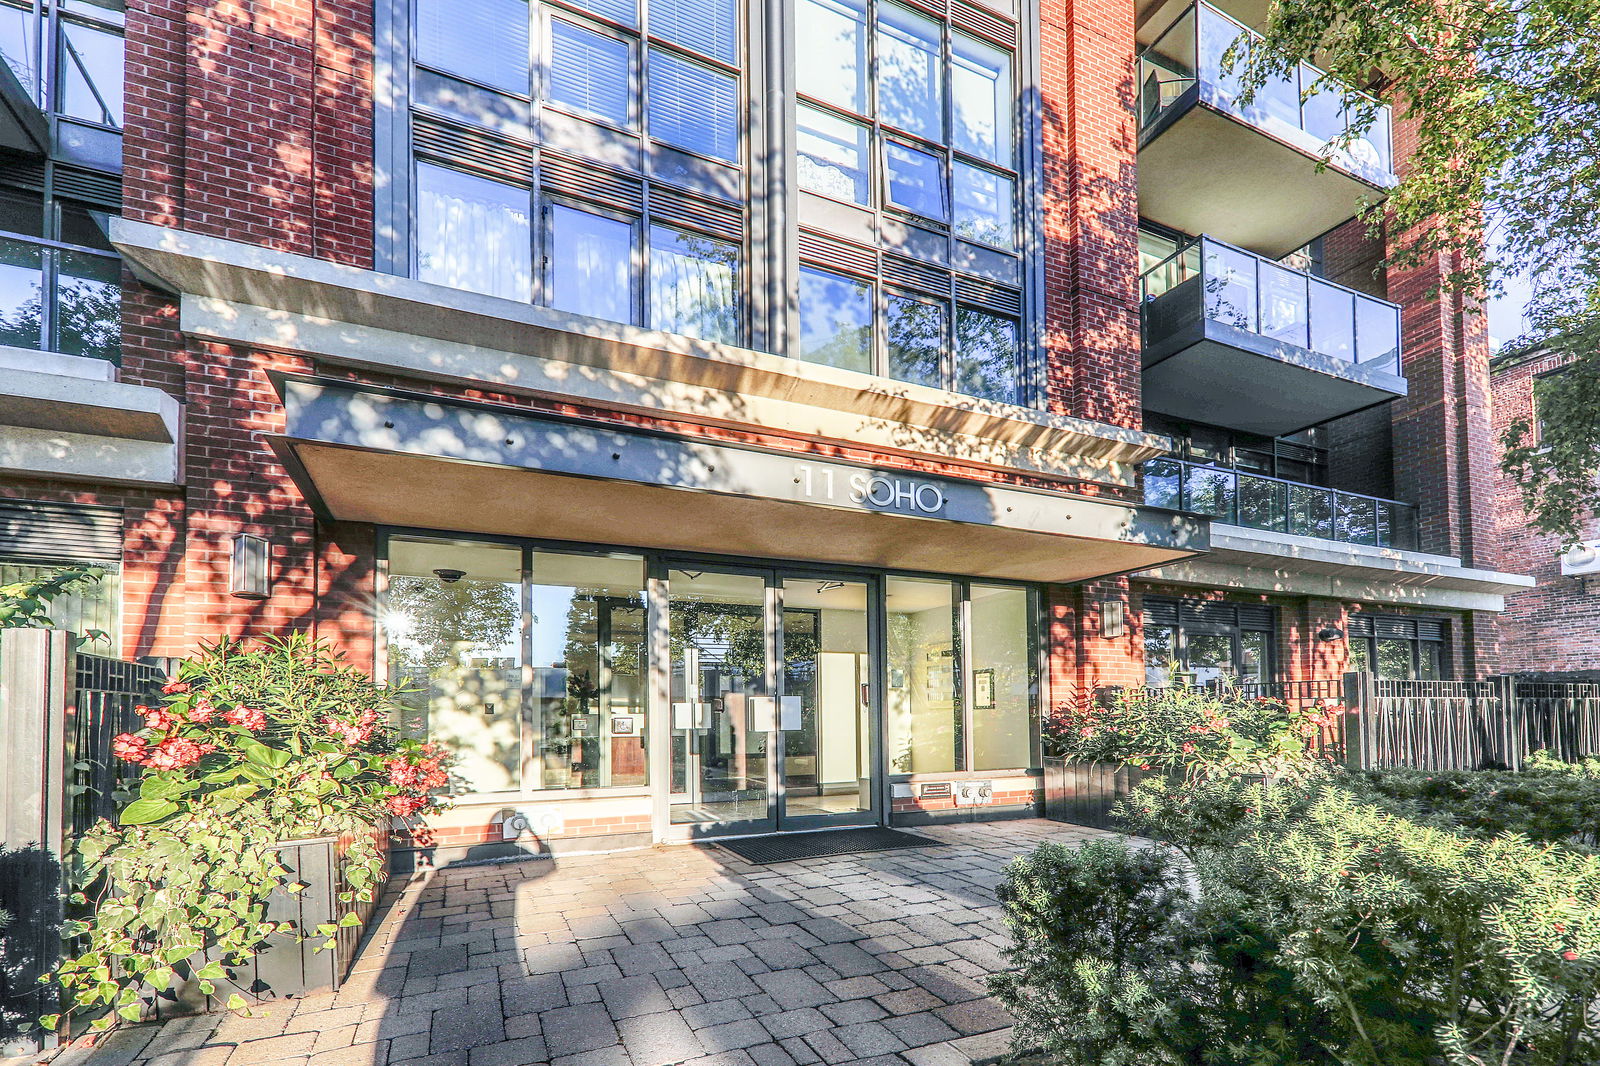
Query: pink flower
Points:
[1187, 747]
[1570, 956]
[246, 718]
[174, 687]
[202, 711]
[1086, 731]
[175, 753]
[405, 806]
[159, 719]
[130, 747]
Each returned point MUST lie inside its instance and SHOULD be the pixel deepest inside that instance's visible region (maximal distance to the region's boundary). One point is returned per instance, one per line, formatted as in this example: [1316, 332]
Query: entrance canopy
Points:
[364, 454]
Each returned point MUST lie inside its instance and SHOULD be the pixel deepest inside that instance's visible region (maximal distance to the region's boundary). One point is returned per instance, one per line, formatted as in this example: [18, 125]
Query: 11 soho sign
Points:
[867, 489]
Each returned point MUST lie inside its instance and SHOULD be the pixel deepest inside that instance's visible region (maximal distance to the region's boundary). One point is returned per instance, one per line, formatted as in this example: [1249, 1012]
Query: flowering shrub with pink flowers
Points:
[251, 746]
[1192, 730]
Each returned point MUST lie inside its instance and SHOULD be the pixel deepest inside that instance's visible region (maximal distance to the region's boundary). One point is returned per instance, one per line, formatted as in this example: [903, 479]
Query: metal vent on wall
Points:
[915, 275]
[494, 156]
[1160, 612]
[984, 24]
[54, 532]
[696, 212]
[104, 190]
[576, 177]
[987, 296]
[832, 253]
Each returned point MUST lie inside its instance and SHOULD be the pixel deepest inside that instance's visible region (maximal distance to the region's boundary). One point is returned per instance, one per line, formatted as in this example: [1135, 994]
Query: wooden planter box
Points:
[286, 968]
[1083, 793]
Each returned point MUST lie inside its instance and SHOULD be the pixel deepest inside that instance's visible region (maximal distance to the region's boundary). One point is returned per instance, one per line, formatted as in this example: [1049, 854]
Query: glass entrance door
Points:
[825, 705]
[723, 646]
[771, 708]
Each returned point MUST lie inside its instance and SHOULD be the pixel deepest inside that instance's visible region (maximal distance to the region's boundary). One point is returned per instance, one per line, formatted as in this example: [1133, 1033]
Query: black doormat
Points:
[786, 847]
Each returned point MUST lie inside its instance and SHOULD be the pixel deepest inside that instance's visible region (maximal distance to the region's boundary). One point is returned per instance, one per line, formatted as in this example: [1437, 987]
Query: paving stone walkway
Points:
[659, 957]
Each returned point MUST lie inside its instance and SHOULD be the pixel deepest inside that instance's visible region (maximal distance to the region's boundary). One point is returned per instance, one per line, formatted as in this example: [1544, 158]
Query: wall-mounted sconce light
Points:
[448, 575]
[1113, 619]
[1329, 634]
[250, 575]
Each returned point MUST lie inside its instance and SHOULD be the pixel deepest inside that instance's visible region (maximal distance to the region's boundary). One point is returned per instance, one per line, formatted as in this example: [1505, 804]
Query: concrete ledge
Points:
[99, 408]
[72, 366]
[84, 457]
[1256, 560]
[251, 295]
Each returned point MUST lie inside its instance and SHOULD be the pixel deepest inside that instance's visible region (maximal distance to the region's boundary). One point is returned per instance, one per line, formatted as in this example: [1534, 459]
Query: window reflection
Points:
[452, 621]
[1001, 686]
[90, 67]
[915, 331]
[694, 285]
[922, 708]
[591, 268]
[986, 356]
[835, 320]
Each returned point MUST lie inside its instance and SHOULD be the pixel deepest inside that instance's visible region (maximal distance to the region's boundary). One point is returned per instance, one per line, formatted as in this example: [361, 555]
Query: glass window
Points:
[986, 356]
[1002, 684]
[981, 84]
[89, 305]
[910, 96]
[22, 211]
[1310, 511]
[1394, 660]
[452, 618]
[21, 294]
[1162, 483]
[922, 708]
[473, 233]
[983, 205]
[1255, 657]
[1160, 655]
[93, 611]
[1377, 335]
[831, 36]
[591, 72]
[709, 27]
[589, 671]
[1209, 656]
[915, 331]
[91, 73]
[915, 180]
[835, 320]
[19, 45]
[591, 264]
[693, 106]
[694, 285]
[831, 155]
[624, 11]
[482, 40]
[1261, 503]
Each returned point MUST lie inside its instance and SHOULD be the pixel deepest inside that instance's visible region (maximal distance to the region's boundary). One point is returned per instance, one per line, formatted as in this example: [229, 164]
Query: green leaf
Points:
[145, 811]
[212, 971]
[130, 1011]
[264, 755]
[236, 1002]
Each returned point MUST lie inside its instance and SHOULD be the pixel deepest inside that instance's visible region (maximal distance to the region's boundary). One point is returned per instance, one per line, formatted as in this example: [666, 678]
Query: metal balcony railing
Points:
[1306, 109]
[1240, 289]
[58, 297]
[1256, 501]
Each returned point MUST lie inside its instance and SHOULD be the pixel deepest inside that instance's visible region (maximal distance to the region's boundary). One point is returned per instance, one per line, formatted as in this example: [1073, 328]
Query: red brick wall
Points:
[1091, 210]
[1555, 626]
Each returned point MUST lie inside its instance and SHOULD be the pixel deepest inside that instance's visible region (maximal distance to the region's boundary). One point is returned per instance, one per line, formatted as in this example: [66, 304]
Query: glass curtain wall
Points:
[914, 118]
[639, 115]
[67, 55]
[530, 664]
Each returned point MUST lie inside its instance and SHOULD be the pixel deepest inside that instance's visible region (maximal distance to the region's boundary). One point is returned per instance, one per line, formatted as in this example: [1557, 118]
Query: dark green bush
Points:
[1545, 804]
[1321, 929]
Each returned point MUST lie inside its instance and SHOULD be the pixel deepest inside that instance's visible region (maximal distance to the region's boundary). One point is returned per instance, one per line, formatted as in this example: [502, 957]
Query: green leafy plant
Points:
[1195, 731]
[253, 746]
[1316, 929]
[26, 604]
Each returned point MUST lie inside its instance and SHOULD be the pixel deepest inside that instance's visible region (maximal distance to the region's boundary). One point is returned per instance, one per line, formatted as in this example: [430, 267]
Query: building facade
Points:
[733, 416]
[1550, 630]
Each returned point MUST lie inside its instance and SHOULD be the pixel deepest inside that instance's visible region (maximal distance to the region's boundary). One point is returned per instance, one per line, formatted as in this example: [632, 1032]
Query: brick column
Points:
[1090, 209]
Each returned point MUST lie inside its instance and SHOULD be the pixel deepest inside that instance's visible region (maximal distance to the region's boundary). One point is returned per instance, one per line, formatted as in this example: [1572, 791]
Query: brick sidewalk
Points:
[653, 958]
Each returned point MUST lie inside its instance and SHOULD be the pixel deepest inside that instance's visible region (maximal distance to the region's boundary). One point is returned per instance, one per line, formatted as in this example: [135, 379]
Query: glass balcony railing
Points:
[1306, 109]
[60, 298]
[1256, 501]
[1248, 292]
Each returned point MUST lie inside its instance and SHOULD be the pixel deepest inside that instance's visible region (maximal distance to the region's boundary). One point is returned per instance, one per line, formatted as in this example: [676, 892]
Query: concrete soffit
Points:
[240, 293]
[1250, 560]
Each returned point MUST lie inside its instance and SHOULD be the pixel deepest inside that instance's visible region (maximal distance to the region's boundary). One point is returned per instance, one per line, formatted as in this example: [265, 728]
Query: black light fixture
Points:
[449, 575]
[1329, 634]
[249, 567]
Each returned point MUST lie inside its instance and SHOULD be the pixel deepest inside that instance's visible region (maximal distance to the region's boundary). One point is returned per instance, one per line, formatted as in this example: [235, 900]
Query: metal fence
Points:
[58, 712]
[1466, 725]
